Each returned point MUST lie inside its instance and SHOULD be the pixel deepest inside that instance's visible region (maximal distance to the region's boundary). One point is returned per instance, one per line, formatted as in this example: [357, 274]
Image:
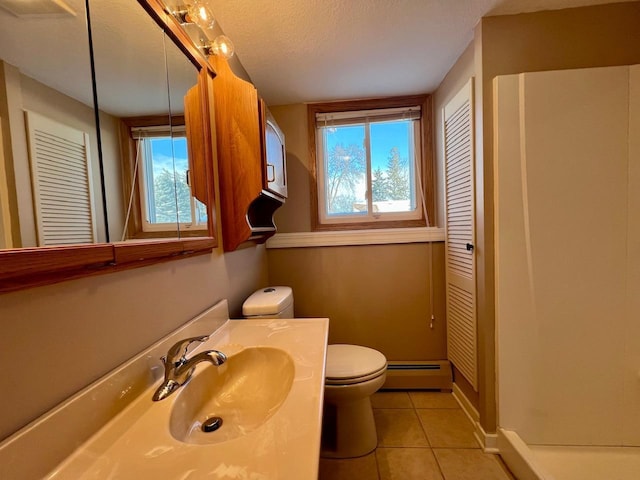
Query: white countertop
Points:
[138, 444]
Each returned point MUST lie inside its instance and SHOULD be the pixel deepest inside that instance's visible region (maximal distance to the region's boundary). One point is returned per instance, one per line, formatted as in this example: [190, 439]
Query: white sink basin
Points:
[269, 394]
[245, 392]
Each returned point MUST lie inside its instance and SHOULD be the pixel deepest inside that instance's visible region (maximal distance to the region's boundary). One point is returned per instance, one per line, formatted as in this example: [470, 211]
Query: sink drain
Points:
[211, 424]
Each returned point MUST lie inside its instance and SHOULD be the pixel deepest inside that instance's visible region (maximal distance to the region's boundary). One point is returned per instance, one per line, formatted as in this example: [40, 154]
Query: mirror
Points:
[141, 80]
[46, 92]
[141, 99]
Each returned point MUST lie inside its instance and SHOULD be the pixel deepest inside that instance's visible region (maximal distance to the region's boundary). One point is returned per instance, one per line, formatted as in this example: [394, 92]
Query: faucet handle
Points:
[178, 352]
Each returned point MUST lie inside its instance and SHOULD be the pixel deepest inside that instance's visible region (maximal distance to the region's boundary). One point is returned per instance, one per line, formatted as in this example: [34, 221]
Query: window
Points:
[159, 197]
[165, 195]
[369, 163]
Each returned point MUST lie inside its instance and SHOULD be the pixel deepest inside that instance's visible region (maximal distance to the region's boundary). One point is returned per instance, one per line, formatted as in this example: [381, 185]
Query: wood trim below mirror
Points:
[32, 267]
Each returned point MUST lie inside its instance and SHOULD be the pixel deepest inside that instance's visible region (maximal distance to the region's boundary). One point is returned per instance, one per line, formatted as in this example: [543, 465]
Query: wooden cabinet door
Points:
[238, 134]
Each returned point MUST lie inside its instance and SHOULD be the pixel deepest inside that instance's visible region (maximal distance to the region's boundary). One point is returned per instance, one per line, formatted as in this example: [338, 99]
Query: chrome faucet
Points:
[178, 369]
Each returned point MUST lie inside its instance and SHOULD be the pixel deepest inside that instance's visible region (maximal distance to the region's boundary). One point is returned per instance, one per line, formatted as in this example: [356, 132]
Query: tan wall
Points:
[377, 296]
[58, 339]
[8, 193]
[595, 36]
[295, 214]
[6, 239]
[455, 79]
[112, 164]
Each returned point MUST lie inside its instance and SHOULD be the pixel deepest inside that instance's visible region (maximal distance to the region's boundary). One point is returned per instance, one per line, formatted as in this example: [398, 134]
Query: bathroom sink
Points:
[269, 394]
[244, 392]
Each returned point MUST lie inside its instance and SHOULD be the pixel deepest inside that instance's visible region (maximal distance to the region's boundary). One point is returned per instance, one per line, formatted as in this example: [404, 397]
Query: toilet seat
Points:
[350, 364]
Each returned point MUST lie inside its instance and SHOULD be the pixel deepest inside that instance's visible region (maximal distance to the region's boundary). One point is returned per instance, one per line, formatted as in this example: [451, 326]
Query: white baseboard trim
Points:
[488, 441]
[465, 404]
[518, 457]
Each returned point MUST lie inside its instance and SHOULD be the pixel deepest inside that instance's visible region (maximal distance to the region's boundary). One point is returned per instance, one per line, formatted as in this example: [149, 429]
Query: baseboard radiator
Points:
[407, 375]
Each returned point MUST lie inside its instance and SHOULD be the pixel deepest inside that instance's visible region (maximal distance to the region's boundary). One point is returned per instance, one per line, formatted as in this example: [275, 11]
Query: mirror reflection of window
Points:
[160, 171]
[164, 185]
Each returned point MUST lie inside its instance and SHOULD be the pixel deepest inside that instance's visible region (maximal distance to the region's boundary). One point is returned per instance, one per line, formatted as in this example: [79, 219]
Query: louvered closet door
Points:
[61, 179]
[460, 264]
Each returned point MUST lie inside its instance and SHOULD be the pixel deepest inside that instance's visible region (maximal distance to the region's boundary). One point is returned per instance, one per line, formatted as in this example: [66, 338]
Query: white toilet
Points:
[352, 374]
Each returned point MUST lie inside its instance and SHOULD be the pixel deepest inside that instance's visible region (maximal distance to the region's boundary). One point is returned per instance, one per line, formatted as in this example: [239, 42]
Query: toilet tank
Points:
[269, 302]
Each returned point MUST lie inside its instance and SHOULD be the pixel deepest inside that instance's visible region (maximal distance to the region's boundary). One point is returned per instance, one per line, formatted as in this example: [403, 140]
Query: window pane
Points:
[393, 166]
[345, 170]
[166, 191]
[201, 212]
[184, 192]
[181, 167]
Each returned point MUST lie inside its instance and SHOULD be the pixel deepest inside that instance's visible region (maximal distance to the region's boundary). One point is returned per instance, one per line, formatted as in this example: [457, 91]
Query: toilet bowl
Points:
[352, 374]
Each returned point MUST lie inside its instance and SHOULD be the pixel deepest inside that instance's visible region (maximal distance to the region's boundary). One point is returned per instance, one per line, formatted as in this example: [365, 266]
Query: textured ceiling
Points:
[293, 50]
[311, 50]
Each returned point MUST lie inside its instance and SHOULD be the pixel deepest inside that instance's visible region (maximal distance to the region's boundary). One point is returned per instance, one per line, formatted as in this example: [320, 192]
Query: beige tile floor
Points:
[421, 436]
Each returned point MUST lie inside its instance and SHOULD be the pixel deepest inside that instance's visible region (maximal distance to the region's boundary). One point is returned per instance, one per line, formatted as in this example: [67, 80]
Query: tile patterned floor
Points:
[421, 436]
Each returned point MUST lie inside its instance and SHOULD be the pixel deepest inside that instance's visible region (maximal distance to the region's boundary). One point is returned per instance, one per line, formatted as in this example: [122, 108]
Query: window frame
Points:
[370, 215]
[136, 228]
[425, 165]
[143, 177]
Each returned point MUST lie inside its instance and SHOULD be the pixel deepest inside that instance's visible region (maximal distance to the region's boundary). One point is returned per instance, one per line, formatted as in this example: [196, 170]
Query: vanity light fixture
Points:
[221, 45]
[198, 13]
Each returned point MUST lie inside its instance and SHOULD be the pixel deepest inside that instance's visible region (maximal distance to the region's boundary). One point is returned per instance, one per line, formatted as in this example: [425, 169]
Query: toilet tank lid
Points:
[267, 301]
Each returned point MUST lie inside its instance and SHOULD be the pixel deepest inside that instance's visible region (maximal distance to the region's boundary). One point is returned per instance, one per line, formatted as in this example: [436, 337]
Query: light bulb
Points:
[222, 45]
[201, 15]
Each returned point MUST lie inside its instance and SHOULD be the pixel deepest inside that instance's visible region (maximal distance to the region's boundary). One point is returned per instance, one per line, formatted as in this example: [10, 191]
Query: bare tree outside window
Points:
[346, 169]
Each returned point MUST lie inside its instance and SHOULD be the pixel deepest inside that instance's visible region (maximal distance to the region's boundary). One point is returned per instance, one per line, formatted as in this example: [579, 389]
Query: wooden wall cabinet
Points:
[252, 188]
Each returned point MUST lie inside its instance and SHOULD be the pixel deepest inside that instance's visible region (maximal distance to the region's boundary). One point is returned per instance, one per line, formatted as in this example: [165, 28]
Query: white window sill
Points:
[356, 237]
